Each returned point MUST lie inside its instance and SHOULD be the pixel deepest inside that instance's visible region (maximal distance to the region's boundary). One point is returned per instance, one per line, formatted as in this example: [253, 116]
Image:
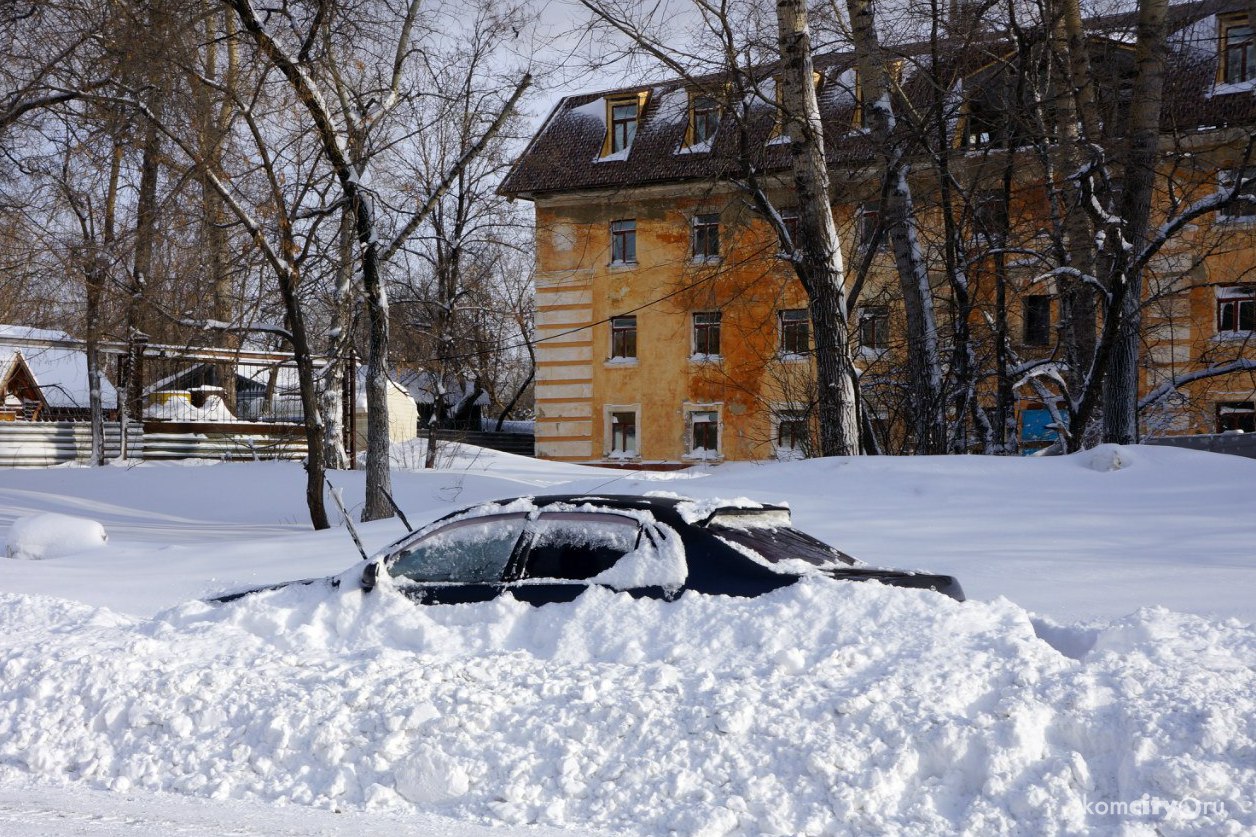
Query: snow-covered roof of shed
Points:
[60, 371]
[422, 386]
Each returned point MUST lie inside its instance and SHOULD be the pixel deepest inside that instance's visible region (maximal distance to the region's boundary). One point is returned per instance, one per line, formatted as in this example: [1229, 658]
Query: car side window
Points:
[576, 545]
[470, 551]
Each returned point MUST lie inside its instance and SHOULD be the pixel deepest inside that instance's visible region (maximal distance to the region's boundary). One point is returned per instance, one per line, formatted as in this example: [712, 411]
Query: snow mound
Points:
[822, 708]
[52, 535]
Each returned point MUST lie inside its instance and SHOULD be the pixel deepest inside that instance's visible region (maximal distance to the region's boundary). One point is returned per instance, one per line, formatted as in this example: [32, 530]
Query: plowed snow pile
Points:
[822, 708]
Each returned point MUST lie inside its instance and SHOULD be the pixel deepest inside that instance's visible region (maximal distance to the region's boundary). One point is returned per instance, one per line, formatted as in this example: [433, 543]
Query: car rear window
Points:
[782, 543]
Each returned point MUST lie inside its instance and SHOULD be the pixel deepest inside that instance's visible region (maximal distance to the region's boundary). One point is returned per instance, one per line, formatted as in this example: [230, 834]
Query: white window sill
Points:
[793, 357]
[630, 456]
[704, 456]
[867, 353]
[618, 266]
[1233, 336]
[705, 260]
[706, 358]
[620, 362]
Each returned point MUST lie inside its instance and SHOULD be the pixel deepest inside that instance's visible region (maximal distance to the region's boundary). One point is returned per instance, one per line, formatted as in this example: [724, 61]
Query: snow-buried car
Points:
[552, 548]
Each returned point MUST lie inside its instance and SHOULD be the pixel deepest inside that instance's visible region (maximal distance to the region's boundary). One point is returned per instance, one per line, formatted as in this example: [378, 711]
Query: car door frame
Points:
[452, 592]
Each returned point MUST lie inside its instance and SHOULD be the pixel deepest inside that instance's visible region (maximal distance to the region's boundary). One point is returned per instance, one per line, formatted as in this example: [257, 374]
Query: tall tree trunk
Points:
[898, 215]
[1120, 391]
[1078, 126]
[331, 398]
[819, 266]
[97, 275]
[315, 468]
[378, 473]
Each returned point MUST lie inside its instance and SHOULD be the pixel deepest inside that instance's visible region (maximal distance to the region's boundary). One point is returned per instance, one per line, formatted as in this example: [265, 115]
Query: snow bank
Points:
[823, 708]
[51, 535]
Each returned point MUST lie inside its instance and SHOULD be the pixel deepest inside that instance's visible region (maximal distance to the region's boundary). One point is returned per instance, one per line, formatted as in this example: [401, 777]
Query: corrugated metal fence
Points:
[38, 444]
[41, 443]
[1238, 444]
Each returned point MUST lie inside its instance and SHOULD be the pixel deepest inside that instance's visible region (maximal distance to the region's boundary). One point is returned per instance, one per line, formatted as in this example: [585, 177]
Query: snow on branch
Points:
[1242, 365]
[231, 328]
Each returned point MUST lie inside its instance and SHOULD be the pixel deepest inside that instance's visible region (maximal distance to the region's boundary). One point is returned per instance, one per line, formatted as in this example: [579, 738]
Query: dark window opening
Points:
[704, 432]
[706, 236]
[1037, 320]
[1236, 310]
[874, 328]
[1239, 63]
[706, 333]
[1236, 415]
[792, 430]
[705, 117]
[624, 241]
[795, 331]
[624, 433]
[623, 125]
[623, 337]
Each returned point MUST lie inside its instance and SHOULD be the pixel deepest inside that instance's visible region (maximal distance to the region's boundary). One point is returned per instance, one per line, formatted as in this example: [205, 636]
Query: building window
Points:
[706, 237]
[1037, 320]
[704, 119]
[990, 215]
[1236, 309]
[1240, 208]
[789, 219]
[870, 225]
[624, 241]
[623, 123]
[706, 333]
[704, 433]
[623, 337]
[795, 331]
[623, 433]
[1236, 415]
[874, 328]
[1239, 59]
[792, 430]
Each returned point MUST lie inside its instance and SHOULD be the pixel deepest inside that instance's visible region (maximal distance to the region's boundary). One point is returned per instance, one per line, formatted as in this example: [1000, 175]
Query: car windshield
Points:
[782, 543]
[475, 550]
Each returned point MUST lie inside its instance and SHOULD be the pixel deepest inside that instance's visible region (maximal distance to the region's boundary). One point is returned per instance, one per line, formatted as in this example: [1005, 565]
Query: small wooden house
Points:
[20, 396]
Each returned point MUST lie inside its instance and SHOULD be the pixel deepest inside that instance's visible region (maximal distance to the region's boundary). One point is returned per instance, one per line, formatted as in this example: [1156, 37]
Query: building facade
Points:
[670, 328]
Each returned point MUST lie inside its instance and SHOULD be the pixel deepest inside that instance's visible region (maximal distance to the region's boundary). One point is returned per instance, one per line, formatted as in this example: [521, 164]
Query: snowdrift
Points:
[824, 708]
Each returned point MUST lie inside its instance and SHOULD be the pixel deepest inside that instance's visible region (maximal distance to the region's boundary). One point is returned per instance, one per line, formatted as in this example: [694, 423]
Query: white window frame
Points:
[608, 434]
[692, 410]
[780, 413]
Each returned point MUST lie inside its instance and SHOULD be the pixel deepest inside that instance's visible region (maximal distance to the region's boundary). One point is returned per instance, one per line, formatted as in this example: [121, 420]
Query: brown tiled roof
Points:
[564, 156]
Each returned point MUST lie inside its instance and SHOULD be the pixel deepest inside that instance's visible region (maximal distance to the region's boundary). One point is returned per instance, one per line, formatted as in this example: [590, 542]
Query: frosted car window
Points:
[781, 543]
[579, 546]
[475, 550]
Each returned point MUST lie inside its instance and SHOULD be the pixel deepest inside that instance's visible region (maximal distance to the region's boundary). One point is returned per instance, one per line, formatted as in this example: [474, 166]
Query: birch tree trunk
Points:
[331, 399]
[923, 361]
[819, 263]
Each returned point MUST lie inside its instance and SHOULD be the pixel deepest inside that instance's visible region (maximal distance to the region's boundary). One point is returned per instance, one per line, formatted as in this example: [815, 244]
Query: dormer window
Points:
[1238, 57]
[622, 116]
[704, 119]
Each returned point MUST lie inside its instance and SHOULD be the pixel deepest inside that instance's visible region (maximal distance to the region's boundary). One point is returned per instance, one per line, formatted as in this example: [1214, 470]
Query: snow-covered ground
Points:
[1100, 678]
